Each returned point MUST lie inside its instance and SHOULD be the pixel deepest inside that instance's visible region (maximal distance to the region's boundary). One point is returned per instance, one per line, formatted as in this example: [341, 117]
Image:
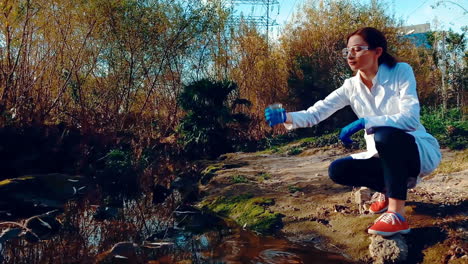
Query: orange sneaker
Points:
[389, 224]
[380, 203]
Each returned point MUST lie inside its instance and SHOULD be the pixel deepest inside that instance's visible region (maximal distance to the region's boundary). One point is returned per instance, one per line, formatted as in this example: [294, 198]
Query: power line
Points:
[417, 8]
[264, 20]
[290, 11]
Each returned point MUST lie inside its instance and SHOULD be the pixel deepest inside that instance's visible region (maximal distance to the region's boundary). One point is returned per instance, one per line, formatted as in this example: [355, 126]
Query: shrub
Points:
[448, 127]
[118, 176]
[205, 130]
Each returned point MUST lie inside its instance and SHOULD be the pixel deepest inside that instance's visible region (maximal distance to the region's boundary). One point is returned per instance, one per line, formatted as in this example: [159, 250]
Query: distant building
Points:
[417, 34]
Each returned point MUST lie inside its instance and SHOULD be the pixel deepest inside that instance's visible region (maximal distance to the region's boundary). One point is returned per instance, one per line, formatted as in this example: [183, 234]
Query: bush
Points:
[205, 130]
[118, 176]
[448, 127]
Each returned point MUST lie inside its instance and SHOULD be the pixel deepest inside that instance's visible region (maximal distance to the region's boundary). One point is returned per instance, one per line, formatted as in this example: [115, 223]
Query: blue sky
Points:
[449, 14]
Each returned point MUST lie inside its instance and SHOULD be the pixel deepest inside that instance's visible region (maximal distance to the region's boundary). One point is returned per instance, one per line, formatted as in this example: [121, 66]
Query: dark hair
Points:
[375, 39]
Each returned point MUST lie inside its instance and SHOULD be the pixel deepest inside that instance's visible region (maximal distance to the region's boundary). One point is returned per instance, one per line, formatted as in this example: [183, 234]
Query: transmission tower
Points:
[262, 19]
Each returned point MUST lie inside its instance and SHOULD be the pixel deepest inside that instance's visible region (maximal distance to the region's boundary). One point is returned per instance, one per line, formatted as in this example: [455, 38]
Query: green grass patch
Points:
[247, 210]
[264, 176]
[212, 169]
[293, 188]
[295, 151]
[239, 179]
[209, 172]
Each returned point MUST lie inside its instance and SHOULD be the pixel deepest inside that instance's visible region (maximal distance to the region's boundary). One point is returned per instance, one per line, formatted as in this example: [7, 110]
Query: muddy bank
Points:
[313, 209]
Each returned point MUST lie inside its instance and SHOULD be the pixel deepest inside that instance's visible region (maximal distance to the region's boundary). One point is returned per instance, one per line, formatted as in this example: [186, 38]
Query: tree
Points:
[449, 51]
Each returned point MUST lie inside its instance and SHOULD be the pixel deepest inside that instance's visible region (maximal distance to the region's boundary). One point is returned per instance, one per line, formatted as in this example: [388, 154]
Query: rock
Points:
[10, 233]
[388, 250]
[361, 197]
[31, 193]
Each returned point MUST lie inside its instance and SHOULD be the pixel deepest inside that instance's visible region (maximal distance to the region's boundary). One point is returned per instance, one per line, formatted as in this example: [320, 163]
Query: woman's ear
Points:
[378, 51]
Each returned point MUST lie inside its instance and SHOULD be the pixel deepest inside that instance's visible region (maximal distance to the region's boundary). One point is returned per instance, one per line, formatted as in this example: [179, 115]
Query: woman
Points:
[383, 96]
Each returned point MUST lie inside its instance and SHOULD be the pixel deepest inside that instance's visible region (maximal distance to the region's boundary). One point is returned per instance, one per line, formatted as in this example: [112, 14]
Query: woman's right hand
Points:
[275, 115]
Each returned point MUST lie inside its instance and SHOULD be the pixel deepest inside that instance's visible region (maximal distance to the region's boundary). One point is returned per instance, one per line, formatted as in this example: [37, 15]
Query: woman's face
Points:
[358, 57]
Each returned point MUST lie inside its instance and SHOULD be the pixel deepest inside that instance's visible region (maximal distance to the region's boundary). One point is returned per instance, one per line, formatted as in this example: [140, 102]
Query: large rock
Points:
[388, 250]
[24, 194]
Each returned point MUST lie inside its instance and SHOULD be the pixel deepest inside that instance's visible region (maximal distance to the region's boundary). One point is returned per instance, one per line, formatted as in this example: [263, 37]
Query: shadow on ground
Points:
[439, 210]
[421, 238]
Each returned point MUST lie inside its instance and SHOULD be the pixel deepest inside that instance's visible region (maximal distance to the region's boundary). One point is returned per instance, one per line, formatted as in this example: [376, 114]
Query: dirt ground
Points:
[318, 211]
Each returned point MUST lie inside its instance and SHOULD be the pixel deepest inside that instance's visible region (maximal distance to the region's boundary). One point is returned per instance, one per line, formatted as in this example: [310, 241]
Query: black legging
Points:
[398, 160]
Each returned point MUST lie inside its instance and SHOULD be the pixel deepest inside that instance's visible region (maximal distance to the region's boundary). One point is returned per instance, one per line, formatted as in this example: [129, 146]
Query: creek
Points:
[136, 234]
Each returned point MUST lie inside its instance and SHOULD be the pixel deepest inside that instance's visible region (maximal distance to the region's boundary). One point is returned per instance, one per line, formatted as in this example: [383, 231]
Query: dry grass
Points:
[457, 161]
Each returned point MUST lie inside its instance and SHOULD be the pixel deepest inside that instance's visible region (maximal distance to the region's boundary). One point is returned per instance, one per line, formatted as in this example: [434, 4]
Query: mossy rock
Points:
[209, 172]
[248, 211]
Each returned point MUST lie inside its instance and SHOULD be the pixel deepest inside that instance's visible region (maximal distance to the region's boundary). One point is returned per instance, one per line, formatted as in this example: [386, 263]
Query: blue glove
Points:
[275, 116]
[350, 129]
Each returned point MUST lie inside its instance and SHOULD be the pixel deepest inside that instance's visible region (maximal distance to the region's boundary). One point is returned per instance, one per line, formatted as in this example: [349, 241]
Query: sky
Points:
[449, 14]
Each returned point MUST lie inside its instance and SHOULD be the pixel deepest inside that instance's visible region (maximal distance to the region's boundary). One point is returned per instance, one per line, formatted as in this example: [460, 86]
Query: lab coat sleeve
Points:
[408, 117]
[321, 109]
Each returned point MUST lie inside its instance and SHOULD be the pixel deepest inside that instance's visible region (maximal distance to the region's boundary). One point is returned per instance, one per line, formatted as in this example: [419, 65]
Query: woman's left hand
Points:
[349, 130]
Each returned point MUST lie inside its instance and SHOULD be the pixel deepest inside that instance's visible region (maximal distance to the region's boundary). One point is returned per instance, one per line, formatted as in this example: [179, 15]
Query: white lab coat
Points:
[392, 101]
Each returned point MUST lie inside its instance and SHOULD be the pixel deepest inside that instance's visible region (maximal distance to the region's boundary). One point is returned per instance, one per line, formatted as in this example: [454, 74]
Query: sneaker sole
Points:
[378, 212]
[385, 234]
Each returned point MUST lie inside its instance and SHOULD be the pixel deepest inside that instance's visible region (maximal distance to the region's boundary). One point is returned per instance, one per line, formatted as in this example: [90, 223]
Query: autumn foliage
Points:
[120, 66]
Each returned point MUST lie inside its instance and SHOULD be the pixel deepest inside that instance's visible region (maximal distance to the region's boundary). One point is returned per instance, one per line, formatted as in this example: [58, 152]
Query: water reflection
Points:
[143, 233]
[231, 244]
[246, 247]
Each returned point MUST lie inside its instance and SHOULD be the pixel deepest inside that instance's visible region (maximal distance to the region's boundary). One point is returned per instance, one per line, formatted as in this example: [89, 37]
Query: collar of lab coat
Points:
[378, 90]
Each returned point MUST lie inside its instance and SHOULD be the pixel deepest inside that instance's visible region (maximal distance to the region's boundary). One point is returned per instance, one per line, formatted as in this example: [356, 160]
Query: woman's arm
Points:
[321, 110]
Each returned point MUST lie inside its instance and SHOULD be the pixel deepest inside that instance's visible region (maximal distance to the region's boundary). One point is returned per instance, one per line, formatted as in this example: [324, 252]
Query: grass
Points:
[239, 179]
[293, 189]
[264, 176]
[296, 147]
[295, 151]
[458, 163]
[210, 171]
[435, 254]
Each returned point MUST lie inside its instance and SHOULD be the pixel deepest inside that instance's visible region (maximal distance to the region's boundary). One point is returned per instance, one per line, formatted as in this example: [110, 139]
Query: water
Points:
[247, 247]
[195, 237]
[232, 244]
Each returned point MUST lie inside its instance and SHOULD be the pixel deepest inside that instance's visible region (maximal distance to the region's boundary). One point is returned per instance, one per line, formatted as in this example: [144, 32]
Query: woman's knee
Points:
[337, 170]
[386, 135]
